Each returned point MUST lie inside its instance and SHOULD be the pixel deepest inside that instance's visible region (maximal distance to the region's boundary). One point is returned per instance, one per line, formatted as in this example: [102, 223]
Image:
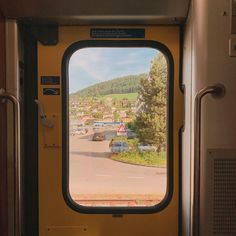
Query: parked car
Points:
[119, 146]
[98, 137]
[143, 147]
[72, 132]
[81, 131]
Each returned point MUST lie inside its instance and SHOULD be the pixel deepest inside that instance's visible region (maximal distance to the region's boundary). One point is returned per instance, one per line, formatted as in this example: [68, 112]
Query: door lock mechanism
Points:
[45, 122]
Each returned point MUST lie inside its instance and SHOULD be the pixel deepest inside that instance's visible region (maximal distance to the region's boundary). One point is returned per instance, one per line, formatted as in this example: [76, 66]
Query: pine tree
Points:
[151, 117]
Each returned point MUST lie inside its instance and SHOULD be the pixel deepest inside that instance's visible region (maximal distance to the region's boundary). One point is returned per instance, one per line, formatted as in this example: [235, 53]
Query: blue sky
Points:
[90, 66]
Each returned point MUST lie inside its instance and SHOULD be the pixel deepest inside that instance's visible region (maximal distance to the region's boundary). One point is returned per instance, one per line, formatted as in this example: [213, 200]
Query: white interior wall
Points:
[207, 62]
[187, 81]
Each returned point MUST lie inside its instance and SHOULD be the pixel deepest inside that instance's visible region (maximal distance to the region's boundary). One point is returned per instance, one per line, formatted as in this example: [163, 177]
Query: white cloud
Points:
[92, 62]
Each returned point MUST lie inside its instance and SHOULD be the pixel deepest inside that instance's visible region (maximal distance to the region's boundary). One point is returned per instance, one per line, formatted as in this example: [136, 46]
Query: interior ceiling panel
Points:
[70, 12]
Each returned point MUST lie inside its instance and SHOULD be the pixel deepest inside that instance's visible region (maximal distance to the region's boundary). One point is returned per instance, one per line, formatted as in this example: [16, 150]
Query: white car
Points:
[72, 132]
[81, 131]
[142, 147]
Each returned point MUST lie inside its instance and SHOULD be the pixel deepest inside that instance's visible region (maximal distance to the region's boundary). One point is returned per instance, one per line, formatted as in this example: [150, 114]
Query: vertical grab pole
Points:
[17, 160]
[217, 91]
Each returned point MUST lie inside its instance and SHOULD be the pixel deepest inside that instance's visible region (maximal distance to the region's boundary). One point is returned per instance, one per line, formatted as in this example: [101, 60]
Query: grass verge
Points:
[145, 158]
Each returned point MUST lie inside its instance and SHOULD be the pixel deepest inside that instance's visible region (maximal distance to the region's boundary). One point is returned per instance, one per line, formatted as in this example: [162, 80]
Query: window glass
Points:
[118, 126]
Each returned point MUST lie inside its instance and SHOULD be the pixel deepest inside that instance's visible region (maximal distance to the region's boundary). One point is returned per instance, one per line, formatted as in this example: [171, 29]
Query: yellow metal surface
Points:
[51, 135]
[53, 211]
[71, 231]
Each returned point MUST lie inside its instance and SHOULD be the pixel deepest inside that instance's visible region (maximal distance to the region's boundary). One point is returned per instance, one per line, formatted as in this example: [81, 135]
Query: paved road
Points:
[93, 172]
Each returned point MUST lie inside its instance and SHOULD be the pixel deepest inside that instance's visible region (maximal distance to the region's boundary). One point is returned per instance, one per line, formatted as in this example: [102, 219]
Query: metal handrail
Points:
[217, 91]
[17, 157]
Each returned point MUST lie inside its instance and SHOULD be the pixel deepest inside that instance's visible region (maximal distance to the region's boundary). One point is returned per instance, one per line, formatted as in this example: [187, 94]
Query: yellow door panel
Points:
[55, 216]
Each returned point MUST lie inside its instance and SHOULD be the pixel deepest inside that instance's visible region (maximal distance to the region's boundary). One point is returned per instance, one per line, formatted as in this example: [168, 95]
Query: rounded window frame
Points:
[65, 125]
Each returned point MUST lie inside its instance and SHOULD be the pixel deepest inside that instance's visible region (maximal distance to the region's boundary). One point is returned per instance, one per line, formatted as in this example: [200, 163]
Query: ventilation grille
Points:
[224, 201]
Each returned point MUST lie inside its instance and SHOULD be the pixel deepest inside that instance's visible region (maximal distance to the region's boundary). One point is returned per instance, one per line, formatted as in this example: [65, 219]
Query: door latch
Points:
[45, 122]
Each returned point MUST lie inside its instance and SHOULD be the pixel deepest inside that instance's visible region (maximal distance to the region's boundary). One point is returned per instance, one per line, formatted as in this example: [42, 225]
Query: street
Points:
[93, 175]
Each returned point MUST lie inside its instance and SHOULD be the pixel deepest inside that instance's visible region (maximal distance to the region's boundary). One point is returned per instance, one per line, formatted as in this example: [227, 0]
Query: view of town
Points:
[104, 109]
[118, 140]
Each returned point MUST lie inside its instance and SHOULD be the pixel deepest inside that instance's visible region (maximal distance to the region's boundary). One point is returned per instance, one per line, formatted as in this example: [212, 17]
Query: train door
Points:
[90, 132]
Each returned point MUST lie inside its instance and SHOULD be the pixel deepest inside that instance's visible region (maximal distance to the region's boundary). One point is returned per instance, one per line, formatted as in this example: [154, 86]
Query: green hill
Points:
[126, 84]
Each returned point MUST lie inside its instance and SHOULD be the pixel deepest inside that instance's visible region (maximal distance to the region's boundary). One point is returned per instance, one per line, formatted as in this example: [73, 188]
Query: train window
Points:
[117, 128]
